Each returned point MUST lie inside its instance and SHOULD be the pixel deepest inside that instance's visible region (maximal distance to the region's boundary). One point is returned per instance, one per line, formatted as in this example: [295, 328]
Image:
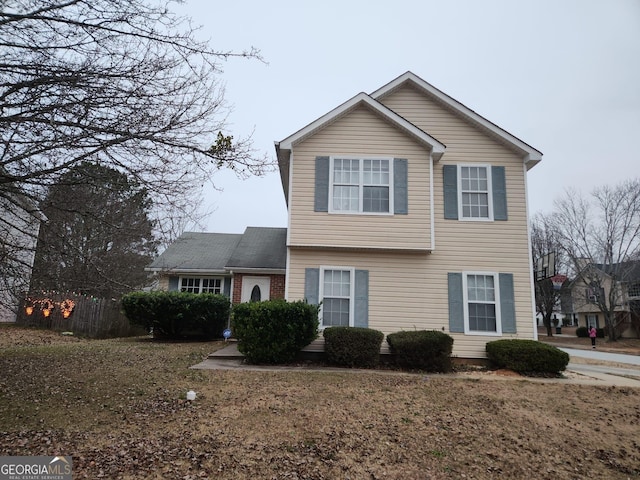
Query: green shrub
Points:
[582, 332]
[600, 332]
[177, 315]
[428, 350]
[526, 356]
[353, 346]
[274, 331]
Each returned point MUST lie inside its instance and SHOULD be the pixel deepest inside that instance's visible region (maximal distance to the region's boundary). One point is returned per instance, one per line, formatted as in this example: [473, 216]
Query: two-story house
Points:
[408, 210]
[613, 288]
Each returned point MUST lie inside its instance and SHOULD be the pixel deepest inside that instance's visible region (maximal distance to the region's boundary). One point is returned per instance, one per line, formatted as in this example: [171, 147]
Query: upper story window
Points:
[634, 289]
[201, 285]
[475, 193]
[361, 185]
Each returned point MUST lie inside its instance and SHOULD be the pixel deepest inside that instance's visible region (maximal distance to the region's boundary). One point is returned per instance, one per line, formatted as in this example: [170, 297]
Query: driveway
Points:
[605, 368]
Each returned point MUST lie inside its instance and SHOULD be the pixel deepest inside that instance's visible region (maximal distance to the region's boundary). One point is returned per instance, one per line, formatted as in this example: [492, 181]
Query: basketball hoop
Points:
[557, 281]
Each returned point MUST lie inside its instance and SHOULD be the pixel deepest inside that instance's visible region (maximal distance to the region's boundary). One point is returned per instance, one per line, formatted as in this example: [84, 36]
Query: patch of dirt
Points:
[119, 408]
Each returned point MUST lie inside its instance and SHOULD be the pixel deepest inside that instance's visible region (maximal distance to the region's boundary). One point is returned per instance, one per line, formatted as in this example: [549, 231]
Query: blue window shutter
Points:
[321, 201]
[361, 306]
[456, 303]
[226, 287]
[507, 303]
[499, 186]
[173, 284]
[312, 285]
[450, 175]
[400, 182]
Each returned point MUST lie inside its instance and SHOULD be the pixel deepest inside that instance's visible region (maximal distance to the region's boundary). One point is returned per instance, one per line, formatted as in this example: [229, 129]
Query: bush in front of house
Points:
[274, 331]
[353, 346]
[178, 315]
[526, 356]
[428, 350]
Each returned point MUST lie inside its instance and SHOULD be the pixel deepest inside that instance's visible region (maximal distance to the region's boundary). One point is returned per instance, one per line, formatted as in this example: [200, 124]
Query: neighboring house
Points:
[407, 210]
[595, 284]
[244, 267]
[19, 226]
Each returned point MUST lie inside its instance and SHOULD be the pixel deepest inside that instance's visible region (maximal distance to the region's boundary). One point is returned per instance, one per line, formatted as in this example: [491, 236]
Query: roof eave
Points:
[530, 155]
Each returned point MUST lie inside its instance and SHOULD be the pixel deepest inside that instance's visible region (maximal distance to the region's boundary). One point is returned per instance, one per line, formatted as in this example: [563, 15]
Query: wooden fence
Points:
[88, 316]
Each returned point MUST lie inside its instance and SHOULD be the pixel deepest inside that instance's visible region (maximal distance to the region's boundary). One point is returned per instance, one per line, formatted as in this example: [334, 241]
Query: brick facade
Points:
[276, 289]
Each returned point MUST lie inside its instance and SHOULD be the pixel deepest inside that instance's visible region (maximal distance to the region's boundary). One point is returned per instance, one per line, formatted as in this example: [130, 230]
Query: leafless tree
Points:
[600, 235]
[544, 240]
[123, 83]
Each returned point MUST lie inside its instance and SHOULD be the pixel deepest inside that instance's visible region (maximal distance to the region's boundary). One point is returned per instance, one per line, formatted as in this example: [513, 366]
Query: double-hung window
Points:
[201, 285]
[482, 307]
[337, 297]
[475, 192]
[361, 185]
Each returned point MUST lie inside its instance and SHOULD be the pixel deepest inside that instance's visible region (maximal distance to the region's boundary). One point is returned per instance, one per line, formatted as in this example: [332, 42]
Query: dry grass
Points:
[117, 407]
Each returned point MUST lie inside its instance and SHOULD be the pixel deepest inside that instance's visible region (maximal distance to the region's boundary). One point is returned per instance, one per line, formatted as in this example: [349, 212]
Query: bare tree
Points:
[600, 235]
[544, 240]
[122, 83]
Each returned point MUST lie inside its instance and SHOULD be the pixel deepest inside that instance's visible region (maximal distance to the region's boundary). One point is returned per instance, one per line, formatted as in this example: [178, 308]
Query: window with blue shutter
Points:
[474, 192]
[345, 295]
[361, 185]
[481, 303]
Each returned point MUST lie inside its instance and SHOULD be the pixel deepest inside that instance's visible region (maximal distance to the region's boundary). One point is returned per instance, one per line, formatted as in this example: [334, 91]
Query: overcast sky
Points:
[563, 76]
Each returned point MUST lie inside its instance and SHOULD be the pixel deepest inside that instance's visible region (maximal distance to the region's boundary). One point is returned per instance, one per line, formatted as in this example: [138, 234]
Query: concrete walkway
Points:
[605, 369]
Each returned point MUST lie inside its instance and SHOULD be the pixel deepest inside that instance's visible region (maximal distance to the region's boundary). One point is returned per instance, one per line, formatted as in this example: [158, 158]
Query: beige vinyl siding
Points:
[363, 134]
[408, 291]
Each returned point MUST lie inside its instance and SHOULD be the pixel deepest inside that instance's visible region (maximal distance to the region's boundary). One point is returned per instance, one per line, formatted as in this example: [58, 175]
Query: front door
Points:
[255, 289]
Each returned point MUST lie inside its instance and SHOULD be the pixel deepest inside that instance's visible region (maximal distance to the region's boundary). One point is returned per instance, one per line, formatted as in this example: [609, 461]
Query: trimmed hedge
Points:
[526, 356]
[428, 350]
[353, 346]
[274, 331]
[177, 315]
[582, 332]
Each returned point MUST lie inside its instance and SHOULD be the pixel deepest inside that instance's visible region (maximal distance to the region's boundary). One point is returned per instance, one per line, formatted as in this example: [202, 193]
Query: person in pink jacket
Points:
[592, 335]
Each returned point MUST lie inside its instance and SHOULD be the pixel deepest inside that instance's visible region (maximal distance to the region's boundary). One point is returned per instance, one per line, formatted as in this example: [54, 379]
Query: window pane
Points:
[475, 205]
[482, 317]
[211, 285]
[375, 199]
[346, 171]
[345, 199]
[335, 312]
[191, 285]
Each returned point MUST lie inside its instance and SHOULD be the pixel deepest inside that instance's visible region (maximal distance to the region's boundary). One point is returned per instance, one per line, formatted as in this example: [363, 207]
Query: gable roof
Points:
[626, 271]
[260, 249]
[257, 249]
[194, 252]
[530, 155]
[283, 148]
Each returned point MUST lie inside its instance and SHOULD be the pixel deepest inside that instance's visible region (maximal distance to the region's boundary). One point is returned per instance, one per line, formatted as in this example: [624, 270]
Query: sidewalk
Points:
[229, 358]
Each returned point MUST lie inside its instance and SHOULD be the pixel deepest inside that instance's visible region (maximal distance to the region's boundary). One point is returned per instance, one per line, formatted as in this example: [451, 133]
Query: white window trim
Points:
[200, 278]
[465, 296]
[361, 159]
[489, 198]
[352, 285]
